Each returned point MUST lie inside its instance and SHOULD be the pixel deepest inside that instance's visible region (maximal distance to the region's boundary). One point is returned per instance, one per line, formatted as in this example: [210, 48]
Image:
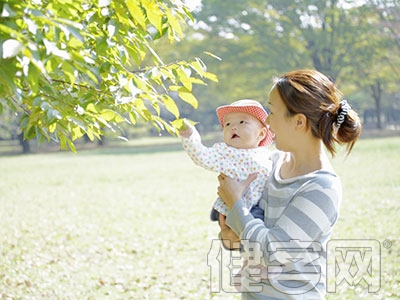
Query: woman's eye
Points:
[227, 124]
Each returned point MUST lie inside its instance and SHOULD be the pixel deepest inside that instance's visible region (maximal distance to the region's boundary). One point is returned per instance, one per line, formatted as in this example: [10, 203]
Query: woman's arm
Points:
[229, 239]
[230, 191]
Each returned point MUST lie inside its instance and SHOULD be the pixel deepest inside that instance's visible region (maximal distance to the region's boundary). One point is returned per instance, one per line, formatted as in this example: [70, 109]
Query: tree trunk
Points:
[376, 89]
[24, 143]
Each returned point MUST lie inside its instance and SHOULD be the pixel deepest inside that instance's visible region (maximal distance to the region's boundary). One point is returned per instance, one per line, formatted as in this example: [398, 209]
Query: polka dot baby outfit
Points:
[235, 163]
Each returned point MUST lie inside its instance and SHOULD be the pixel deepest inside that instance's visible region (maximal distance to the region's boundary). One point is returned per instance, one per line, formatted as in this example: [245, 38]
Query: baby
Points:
[243, 152]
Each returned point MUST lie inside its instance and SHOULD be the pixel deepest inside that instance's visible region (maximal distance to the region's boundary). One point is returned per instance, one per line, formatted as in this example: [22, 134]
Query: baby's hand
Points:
[186, 129]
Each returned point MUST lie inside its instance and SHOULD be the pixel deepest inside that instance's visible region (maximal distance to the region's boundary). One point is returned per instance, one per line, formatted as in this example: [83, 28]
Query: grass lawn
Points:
[130, 224]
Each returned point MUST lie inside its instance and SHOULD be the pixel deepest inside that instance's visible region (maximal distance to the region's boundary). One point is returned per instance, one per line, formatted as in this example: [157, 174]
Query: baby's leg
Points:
[214, 215]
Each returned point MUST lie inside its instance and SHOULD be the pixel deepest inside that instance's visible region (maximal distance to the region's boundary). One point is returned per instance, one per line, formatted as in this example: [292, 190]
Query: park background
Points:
[127, 216]
[244, 43]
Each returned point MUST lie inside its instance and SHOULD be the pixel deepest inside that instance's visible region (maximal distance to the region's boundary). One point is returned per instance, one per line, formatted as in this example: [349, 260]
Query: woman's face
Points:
[279, 123]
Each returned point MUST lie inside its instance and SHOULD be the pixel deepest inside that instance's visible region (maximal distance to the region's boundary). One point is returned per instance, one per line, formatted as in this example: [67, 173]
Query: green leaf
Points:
[52, 65]
[154, 15]
[101, 44]
[52, 127]
[161, 33]
[69, 71]
[132, 117]
[213, 55]
[187, 96]
[33, 77]
[11, 32]
[199, 67]
[75, 43]
[30, 133]
[76, 132]
[197, 81]
[184, 78]
[174, 23]
[136, 52]
[110, 115]
[170, 105]
[174, 88]
[136, 13]
[180, 124]
[90, 135]
[211, 76]
[156, 107]
[63, 143]
[91, 108]
[71, 146]
[174, 26]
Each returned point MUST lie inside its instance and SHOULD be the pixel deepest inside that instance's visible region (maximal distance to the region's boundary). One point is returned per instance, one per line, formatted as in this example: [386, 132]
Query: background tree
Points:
[257, 40]
[373, 63]
[71, 68]
[242, 35]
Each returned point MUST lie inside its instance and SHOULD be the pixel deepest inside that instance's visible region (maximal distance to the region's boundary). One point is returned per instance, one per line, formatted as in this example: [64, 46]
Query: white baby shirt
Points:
[233, 162]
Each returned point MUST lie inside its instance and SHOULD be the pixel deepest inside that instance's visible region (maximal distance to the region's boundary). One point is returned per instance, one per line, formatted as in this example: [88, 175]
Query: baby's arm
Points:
[211, 158]
[186, 130]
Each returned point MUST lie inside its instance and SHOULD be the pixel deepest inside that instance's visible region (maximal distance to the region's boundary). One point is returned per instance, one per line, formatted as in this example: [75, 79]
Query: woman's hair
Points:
[313, 94]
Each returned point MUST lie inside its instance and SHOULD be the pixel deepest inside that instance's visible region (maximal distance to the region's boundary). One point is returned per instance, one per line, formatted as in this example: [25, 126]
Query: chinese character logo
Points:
[353, 261]
[295, 269]
[225, 267]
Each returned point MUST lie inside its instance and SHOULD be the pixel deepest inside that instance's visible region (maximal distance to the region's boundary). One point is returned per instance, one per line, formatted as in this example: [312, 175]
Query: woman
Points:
[303, 194]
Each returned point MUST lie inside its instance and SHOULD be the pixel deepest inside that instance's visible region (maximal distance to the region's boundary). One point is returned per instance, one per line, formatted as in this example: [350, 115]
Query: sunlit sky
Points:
[345, 3]
[192, 3]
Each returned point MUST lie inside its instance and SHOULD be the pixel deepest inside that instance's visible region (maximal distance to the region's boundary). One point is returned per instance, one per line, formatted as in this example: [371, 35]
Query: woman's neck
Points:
[304, 161]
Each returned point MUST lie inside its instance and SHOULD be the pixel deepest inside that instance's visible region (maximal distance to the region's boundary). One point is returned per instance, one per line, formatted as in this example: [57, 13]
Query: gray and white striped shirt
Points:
[289, 247]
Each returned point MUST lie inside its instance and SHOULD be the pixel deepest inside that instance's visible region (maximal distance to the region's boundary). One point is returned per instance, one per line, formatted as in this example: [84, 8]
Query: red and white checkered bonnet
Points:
[251, 107]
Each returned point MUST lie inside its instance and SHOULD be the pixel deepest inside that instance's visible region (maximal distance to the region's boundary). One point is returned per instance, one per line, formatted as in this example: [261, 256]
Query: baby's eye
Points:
[242, 122]
[227, 124]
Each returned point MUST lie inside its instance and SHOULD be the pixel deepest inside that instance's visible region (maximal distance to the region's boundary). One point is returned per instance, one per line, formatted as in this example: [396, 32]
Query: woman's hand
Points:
[230, 190]
[229, 239]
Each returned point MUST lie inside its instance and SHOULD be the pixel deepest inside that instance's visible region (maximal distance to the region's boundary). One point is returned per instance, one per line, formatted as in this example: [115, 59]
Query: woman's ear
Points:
[301, 121]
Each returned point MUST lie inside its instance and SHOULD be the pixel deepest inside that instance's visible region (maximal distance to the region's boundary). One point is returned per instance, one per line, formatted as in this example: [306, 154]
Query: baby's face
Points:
[242, 130]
